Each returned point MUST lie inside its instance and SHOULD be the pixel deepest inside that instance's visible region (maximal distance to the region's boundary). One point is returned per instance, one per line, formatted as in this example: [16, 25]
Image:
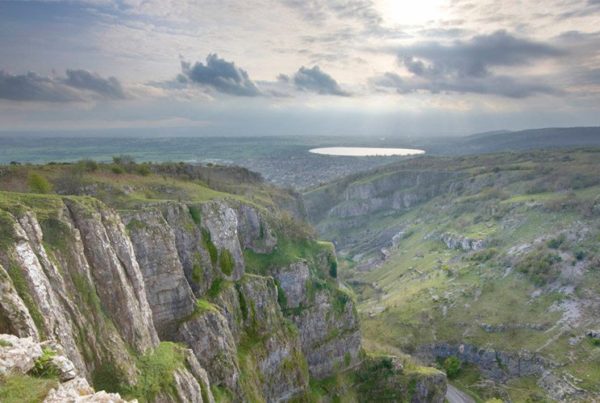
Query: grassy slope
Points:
[427, 293]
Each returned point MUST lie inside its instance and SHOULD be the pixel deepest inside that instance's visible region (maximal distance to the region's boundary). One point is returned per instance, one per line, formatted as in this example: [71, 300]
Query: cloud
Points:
[220, 75]
[472, 58]
[318, 11]
[109, 87]
[496, 85]
[467, 66]
[316, 80]
[78, 85]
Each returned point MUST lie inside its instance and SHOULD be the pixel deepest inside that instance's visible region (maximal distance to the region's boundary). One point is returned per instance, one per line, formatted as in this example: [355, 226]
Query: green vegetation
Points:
[210, 247]
[226, 262]
[38, 183]
[156, 374]
[195, 213]
[5, 343]
[452, 367]
[7, 232]
[44, 367]
[156, 371]
[540, 266]
[215, 288]
[537, 265]
[16, 388]
[20, 284]
[197, 273]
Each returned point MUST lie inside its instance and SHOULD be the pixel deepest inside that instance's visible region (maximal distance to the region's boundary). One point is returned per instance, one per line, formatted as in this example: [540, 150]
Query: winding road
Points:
[455, 395]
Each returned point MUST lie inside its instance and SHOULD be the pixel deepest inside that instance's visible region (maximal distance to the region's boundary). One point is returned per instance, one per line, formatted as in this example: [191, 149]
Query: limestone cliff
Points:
[170, 301]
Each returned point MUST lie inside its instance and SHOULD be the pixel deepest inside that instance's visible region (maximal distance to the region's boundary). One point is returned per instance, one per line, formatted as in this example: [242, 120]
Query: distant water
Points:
[366, 151]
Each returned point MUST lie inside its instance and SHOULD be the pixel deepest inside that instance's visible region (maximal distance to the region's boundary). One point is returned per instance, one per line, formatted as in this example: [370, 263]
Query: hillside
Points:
[169, 283]
[551, 137]
[492, 259]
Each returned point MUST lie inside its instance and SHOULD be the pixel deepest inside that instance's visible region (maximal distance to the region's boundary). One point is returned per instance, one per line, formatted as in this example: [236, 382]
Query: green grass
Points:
[285, 253]
[226, 262]
[17, 388]
[155, 374]
[20, 284]
[5, 343]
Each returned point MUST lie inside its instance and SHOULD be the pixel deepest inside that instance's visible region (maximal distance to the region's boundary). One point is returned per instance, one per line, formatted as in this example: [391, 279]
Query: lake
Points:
[366, 151]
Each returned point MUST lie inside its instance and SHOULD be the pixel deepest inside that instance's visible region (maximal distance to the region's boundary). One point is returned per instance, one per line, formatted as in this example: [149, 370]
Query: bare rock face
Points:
[168, 292]
[208, 335]
[254, 231]
[40, 273]
[292, 280]
[221, 221]
[78, 390]
[14, 316]
[18, 354]
[194, 258]
[113, 264]
[326, 319]
[330, 334]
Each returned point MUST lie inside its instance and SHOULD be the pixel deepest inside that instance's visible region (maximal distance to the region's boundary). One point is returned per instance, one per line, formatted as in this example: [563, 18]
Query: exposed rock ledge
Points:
[19, 356]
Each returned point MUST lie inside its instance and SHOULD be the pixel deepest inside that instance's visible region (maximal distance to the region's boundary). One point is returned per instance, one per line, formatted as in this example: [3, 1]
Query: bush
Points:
[333, 267]
[556, 242]
[38, 184]
[539, 266]
[452, 367]
[43, 367]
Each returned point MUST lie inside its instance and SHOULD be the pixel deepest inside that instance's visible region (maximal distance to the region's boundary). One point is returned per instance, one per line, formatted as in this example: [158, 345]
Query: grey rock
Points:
[221, 221]
[168, 292]
[113, 264]
[19, 354]
[14, 315]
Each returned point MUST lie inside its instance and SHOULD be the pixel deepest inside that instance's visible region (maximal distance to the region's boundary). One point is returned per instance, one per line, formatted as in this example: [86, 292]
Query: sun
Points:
[410, 12]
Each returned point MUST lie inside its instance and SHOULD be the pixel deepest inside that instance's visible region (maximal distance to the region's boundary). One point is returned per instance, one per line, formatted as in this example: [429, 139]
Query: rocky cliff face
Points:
[114, 289]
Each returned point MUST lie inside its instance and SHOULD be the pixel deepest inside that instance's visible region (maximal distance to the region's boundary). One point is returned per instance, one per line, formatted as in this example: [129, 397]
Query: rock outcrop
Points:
[110, 291]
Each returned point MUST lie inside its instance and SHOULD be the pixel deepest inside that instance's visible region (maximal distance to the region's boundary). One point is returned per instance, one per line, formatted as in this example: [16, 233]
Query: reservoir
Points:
[366, 151]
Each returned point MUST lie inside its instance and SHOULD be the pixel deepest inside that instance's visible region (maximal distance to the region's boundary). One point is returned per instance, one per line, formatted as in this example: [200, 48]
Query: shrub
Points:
[452, 367]
[539, 266]
[580, 254]
[116, 169]
[87, 165]
[556, 242]
[333, 267]
[43, 367]
[38, 184]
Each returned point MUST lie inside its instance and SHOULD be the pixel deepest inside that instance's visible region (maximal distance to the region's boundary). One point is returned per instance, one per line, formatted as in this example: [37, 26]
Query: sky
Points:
[379, 68]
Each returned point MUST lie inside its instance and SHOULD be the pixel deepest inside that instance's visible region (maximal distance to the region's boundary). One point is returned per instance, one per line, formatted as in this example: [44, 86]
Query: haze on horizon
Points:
[296, 67]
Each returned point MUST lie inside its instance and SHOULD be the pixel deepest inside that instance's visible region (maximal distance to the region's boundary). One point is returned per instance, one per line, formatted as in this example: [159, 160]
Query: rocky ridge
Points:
[114, 290]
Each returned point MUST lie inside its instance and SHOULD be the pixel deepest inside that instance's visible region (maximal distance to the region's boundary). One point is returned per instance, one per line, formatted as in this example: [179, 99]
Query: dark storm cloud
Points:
[220, 75]
[316, 80]
[466, 66]
[109, 87]
[78, 85]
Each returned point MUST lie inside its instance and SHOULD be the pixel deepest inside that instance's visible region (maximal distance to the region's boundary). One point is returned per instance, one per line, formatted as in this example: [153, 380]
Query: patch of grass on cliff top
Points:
[17, 388]
[43, 205]
[285, 253]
